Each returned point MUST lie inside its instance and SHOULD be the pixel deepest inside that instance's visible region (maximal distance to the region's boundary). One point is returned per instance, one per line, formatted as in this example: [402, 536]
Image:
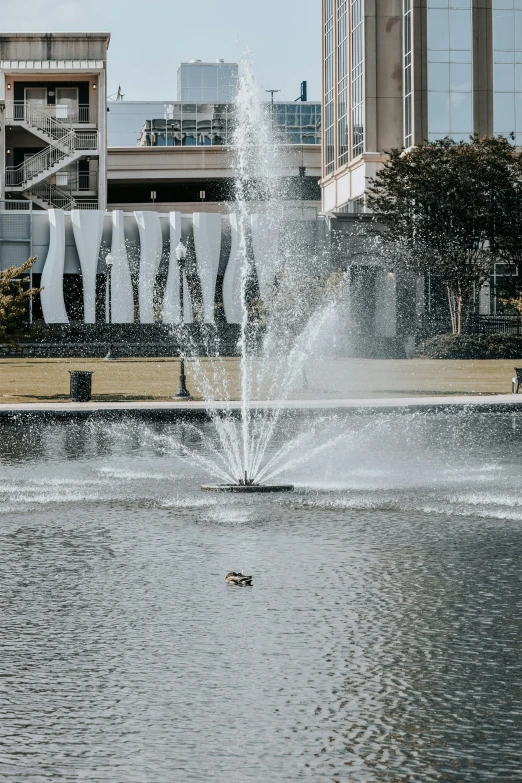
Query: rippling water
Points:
[381, 640]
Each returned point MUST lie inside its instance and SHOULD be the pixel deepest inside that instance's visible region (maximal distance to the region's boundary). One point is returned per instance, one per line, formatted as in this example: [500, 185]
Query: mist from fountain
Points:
[280, 331]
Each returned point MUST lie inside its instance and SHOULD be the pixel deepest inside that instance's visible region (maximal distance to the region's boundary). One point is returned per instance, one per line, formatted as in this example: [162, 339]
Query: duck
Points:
[238, 579]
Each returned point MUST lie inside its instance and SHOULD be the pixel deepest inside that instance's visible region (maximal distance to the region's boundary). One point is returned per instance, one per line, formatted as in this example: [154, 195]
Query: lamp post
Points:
[181, 256]
[272, 105]
[109, 260]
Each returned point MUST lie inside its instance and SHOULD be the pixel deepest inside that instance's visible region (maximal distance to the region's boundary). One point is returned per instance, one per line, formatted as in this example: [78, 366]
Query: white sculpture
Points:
[265, 243]
[232, 278]
[53, 304]
[122, 296]
[171, 298]
[150, 257]
[207, 243]
[87, 227]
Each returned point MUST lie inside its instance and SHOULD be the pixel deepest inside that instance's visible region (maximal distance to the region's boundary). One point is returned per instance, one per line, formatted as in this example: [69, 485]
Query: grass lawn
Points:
[37, 380]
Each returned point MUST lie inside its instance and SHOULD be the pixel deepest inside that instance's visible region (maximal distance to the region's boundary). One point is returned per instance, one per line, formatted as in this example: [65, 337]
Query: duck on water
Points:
[238, 579]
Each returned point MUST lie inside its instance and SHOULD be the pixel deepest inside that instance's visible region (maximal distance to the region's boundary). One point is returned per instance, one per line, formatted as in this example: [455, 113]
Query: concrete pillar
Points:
[483, 66]
[385, 303]
[485, 299]
[2, 134]
[102, 140]
[383, 75]
[420, 71]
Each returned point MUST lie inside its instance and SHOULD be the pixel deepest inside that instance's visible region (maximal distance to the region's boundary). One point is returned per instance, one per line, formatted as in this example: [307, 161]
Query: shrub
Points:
[471, 346]
[14, 300]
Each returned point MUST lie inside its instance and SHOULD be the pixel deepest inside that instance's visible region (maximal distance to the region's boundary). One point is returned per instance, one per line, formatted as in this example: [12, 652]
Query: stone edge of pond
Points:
[505, 403]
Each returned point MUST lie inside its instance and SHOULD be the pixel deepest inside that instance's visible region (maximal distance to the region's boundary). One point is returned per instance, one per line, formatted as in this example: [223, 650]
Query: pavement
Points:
[200, 409]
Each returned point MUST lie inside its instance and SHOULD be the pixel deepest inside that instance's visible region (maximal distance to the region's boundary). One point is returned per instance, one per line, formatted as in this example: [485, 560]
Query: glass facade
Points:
[203, 124]
[507, 68]
[297, 123]
[450, 80]
[342, 83]
[125, 120]
[207, 82]
[408, 73]
[357, 40]
[329, 92]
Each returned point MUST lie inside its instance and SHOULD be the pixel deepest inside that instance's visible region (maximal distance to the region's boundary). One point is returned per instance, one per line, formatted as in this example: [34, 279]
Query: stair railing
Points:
[28, 111]
[57, 199]
[44, 122]
[53, 196]
[31, 167]
[21, 175]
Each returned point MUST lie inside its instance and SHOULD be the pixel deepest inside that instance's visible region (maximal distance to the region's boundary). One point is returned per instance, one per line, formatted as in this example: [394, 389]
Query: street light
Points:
[181, 256]
[109, 260]
[272, 104]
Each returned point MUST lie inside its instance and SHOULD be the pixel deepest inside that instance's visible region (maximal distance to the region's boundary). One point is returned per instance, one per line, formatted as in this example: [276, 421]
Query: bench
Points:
[516, 382]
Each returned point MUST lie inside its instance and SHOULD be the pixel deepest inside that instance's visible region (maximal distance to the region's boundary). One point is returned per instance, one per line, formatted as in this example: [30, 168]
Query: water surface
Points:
[381, 640]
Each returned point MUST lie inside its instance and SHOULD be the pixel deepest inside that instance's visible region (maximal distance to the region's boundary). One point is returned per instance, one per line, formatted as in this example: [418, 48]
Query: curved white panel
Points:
[150, 257]
[53, 304]
[122, 296]
[232, 278]
[171, 300]
[207, 242]
[87, 227]
[265, 243]
[171, 303]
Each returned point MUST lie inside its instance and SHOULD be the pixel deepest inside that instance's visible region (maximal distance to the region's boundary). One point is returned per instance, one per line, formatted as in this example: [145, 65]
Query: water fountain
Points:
[270, 284]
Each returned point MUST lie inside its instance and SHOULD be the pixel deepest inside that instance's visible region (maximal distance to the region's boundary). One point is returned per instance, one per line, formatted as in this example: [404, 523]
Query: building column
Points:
[420, 71]
[483, 67]
[485, 299]
[102, 141]
[385, 304]
[2, 135]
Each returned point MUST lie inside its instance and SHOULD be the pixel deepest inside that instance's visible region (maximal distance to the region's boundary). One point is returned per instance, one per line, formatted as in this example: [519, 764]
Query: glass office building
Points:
[362, 101]
[507, 68]
[399, 73]
[200, 82]
[133, 124]
[125, 120]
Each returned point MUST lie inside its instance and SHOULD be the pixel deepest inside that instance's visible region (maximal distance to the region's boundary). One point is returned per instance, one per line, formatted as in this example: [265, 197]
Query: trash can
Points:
[81, 384]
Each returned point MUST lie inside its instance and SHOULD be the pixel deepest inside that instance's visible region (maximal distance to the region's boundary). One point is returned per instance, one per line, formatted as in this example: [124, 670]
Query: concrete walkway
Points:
[168, 409]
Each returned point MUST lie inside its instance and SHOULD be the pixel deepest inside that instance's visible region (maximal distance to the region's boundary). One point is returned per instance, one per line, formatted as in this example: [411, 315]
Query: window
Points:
[208, 124]
[450, 80]
[342, 82]
[67, 103]
[356, 13]
[329, 107]
[507, 69]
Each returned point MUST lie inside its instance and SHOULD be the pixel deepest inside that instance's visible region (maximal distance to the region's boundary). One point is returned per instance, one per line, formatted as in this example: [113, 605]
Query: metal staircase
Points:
[27, 115]
[66, 146]
[49, 196]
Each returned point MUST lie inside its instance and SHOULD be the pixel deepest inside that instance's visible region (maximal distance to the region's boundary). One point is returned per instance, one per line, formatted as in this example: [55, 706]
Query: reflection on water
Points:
[381, 640]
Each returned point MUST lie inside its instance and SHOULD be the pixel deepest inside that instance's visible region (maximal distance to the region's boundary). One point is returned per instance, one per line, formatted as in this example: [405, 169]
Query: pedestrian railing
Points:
[494, 324]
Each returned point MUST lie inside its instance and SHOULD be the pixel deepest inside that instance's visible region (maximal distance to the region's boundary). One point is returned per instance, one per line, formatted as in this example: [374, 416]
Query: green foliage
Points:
[452, 210]
[472, 346]
[14, 299]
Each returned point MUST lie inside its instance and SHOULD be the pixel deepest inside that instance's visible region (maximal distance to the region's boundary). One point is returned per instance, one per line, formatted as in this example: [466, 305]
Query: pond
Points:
[381, 640]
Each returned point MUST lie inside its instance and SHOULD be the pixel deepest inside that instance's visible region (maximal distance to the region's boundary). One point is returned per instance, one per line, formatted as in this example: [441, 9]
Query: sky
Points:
[149, 38]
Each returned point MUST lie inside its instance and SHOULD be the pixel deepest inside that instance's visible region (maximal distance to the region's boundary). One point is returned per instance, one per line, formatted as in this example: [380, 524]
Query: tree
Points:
[506, 208]
[14, 299]
[444, 207]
